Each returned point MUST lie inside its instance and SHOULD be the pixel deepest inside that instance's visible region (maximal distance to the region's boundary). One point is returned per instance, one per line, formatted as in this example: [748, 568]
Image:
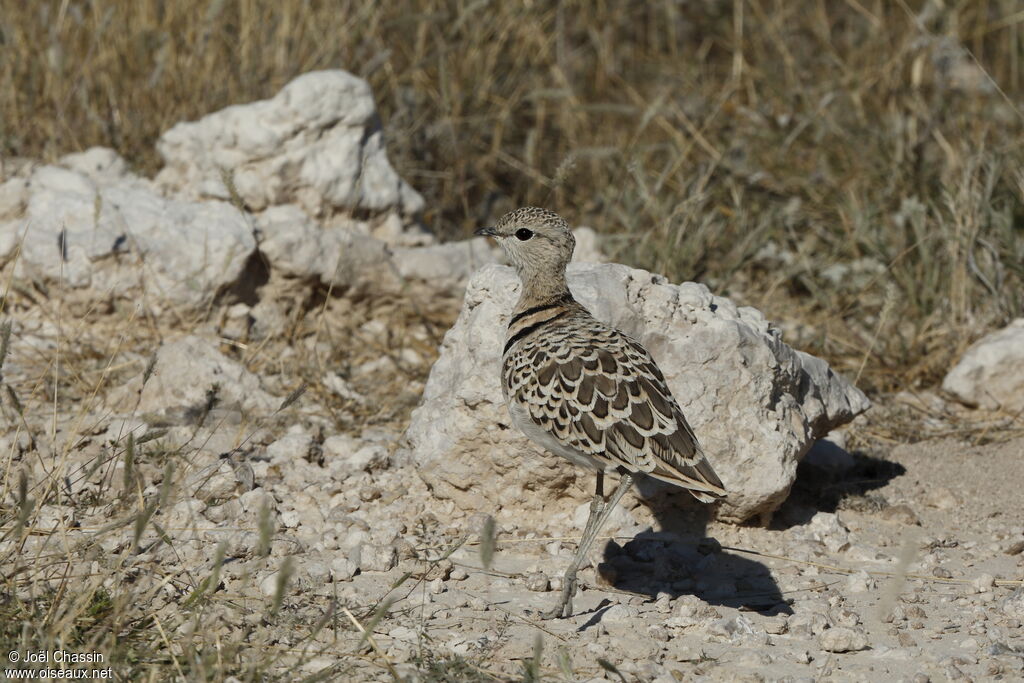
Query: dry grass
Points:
[850, 166]
[752, 144]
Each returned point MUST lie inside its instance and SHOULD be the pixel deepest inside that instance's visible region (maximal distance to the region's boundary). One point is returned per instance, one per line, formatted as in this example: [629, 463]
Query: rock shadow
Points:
[680, 560]
[831, 479]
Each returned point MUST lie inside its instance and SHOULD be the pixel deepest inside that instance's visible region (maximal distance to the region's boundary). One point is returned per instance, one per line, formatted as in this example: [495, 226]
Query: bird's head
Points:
[536, 241]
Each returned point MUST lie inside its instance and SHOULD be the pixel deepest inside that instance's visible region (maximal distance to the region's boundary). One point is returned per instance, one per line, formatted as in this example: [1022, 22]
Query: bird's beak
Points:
[485, 232]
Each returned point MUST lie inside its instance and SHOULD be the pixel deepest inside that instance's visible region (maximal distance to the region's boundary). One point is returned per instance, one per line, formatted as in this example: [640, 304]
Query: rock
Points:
[55, 518]
[214, 483]
[317, 143]
[13, 198]
[190, 374]
[990, 374]
[293, 446]
[904, 514]
[537, 582]
[111, 235]
[756, 404]
[445, 266]
[588, 248]
[1013, 605]
[942, 498]
[843, 639]
[99, 164]
[343, 569]
[344, 455]
[376, 558]
[340, 258]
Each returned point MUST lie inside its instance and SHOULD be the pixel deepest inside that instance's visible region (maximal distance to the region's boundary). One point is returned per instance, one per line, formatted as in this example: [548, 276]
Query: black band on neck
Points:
[530, 330]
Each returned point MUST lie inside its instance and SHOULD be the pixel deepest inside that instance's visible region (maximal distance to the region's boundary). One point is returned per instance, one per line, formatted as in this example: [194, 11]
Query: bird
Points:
[582, 389]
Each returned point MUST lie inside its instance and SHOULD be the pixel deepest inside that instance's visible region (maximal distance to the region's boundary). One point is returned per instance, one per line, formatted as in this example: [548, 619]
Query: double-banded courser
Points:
[583, 390]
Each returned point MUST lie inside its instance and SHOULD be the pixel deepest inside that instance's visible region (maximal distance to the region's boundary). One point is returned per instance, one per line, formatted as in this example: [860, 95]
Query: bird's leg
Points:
[600, 511]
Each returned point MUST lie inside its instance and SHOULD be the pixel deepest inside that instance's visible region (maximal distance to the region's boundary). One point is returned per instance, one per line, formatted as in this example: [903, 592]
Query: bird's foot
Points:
[563, 609]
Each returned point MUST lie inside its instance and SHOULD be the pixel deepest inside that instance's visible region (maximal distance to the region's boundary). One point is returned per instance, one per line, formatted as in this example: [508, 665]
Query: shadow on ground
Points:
[681, 560]
[830, 479]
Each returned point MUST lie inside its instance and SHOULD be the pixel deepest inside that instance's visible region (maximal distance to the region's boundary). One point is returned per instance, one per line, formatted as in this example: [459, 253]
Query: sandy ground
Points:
[895, 561]
[817, 596]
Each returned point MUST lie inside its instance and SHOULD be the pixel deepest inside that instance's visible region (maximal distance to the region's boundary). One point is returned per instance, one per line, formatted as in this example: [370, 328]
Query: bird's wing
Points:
[600, 392]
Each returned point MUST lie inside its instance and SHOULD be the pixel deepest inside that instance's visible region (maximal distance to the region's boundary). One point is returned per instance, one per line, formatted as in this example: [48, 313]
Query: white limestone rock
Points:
[99, 164]
[111, 236]
[317, 143]
[13, 198]
[343, 259]
[843, 639]
[447, 265]
[990, 374]
[188, 371]
[756, 404]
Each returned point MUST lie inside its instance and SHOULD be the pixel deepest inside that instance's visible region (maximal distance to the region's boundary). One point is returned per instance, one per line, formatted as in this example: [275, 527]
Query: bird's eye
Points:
[524, 234]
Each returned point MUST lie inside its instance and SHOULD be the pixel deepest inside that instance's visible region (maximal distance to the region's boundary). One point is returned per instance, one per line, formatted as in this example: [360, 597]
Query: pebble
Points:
[343, 569]
[537, 582]
[903, 514]
[776, 625]
[377, 558]
[983, 584]
[843, 639]
[658, 633]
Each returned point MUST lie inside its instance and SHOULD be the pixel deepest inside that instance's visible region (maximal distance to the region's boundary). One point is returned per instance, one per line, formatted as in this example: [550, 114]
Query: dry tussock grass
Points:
[751, 144]
[851, 167]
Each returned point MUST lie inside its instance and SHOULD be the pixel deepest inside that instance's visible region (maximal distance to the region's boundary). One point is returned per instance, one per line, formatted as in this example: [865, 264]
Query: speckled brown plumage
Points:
[584, 390]
[600, 393]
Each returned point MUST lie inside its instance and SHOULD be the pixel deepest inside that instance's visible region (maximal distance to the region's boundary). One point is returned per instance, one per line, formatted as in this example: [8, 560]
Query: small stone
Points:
[942, 498]
[903, 514]
[906, 640]
[537, 582]
[846, 617]
[843, 639]
[377, 558]
[776, 625]
[861, 582]
[942, 573]
[437, 586]
[1013, 605]
[619, 614]
[369, 493]
[658, 633]
[458, 574]
[343, 569]
[983, 583]
[969, 644]
[915, 612]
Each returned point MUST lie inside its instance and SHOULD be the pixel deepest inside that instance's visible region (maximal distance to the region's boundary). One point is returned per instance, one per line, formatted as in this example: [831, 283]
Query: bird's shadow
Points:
[680, 559]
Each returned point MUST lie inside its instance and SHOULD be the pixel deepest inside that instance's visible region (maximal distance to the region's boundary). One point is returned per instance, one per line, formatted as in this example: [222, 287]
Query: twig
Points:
[372, 642]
